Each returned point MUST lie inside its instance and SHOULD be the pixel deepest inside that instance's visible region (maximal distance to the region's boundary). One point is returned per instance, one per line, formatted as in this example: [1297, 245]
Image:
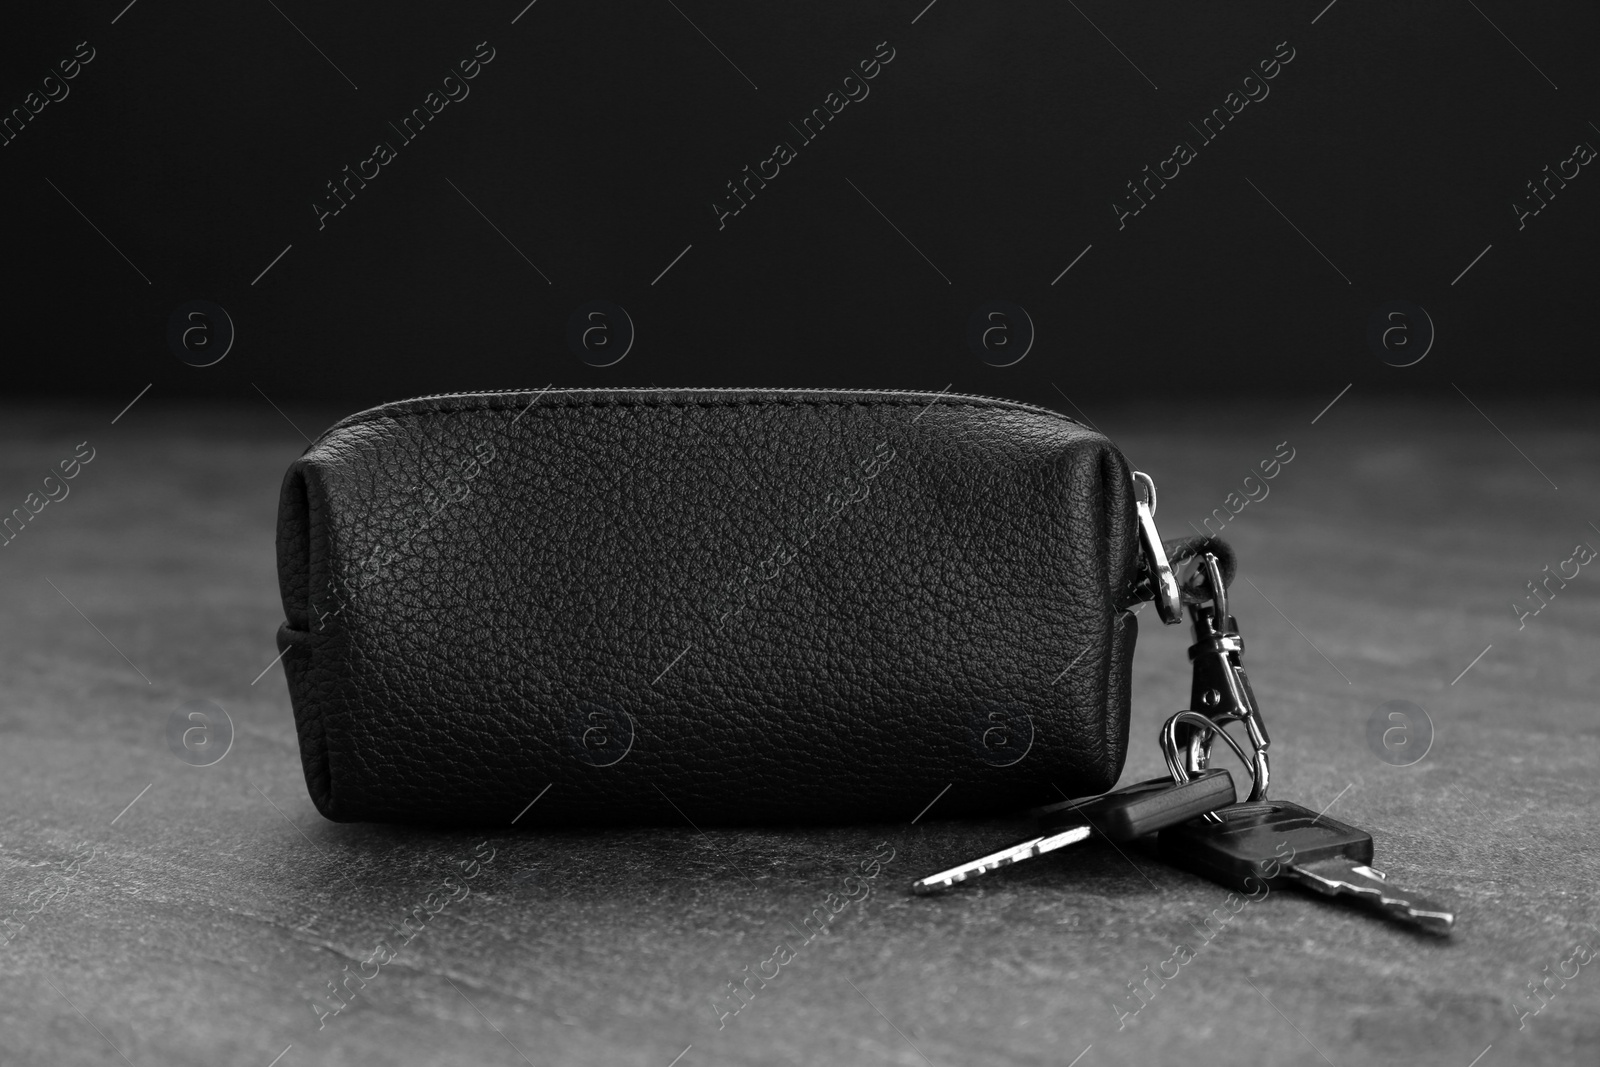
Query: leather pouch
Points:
[726, 606]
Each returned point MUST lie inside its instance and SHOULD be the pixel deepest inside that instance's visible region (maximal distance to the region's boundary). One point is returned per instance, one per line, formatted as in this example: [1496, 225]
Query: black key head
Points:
[1254, 842]
[1142, 808]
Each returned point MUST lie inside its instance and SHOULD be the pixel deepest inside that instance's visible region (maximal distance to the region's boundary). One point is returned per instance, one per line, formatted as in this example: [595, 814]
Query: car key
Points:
[1121, 815]
[1271, 843]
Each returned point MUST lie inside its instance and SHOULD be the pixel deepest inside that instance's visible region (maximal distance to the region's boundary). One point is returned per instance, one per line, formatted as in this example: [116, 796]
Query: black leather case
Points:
[730, 606]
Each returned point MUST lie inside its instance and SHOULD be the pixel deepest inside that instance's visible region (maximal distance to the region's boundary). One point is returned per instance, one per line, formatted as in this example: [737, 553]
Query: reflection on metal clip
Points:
[1162, 580]
[1221, 689]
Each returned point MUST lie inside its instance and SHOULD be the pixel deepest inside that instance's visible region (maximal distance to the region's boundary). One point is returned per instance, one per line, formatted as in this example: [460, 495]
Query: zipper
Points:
[933, 396]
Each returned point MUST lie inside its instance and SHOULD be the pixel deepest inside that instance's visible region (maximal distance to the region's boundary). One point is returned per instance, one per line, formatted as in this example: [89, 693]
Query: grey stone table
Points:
[163, 913]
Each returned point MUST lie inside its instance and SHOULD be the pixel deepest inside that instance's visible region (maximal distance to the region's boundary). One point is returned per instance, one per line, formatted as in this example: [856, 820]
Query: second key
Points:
[1252, 846]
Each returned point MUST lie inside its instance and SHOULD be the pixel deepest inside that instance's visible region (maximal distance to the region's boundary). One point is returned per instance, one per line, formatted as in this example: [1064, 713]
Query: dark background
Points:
[997, 140]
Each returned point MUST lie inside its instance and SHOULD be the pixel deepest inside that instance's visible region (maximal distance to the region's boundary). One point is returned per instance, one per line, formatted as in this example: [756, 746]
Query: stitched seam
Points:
[315, 712]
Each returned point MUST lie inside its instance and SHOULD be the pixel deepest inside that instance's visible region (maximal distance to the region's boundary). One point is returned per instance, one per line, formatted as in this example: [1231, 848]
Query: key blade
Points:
[1036, 846]
[1341, 877]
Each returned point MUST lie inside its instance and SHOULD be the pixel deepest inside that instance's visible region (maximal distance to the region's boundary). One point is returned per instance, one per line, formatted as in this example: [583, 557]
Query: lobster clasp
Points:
[1221, 689]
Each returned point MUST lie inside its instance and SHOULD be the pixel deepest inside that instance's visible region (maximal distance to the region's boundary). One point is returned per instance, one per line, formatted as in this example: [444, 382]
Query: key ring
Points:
[1175, 763]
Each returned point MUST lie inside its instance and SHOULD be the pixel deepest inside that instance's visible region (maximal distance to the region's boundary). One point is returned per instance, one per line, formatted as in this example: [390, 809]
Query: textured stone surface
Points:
[198, 925]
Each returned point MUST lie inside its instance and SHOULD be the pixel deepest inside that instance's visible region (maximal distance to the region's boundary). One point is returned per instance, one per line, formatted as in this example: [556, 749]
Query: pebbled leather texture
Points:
[726, 606]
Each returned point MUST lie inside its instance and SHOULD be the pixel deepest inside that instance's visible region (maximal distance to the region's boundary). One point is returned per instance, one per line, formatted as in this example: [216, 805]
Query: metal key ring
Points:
[1169, 749]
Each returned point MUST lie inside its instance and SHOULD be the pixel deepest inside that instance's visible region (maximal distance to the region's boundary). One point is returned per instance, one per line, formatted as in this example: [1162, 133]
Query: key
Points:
[1272, 843]
[1122, 815]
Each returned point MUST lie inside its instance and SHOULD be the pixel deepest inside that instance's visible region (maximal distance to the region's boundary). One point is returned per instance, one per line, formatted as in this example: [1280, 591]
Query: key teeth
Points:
[1370, 887]
[1423, 914]
[1415, 911]
[936, 883]
[1438, 922]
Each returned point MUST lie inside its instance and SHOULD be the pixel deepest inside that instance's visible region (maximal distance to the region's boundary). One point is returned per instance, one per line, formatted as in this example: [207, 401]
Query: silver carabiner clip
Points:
[1169, 605]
